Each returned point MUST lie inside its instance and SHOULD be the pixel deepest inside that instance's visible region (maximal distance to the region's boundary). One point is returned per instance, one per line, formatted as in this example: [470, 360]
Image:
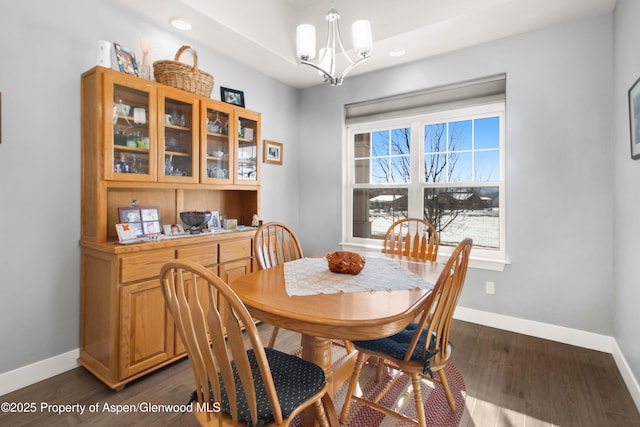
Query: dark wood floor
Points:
[511, 380]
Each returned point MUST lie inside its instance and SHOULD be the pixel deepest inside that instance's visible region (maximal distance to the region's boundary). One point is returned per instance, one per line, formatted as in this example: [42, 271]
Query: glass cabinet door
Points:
[130, 148]
[177, 139]
[248, 131]
[217, 154]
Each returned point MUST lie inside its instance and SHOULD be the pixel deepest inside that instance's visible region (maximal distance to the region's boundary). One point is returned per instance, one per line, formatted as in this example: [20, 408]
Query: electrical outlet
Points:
[490, 288]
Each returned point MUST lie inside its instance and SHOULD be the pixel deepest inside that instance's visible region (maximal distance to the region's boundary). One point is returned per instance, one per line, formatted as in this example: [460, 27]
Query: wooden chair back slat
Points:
[274, 244]
[414, 238]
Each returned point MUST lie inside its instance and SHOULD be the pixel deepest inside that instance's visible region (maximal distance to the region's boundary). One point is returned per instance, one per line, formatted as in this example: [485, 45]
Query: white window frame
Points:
[480, 258]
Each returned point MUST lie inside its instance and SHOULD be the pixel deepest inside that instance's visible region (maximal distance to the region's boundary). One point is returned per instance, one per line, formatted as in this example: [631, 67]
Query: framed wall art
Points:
[273, 152]
[634, 119]
[232, 96]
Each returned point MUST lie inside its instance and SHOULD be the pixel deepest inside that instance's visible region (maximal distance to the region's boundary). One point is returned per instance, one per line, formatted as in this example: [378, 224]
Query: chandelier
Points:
[326, 65]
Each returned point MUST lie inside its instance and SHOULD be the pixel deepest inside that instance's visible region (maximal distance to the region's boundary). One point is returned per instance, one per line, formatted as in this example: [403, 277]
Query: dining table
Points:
[302, 296]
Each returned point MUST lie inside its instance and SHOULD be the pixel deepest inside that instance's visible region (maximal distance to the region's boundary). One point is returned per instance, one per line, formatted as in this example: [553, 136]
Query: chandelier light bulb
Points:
[361, 36]
[306, 41]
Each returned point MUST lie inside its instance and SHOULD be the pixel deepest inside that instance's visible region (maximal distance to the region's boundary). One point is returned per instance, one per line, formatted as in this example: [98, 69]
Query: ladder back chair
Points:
[273, 244]
[251, 384]
[414, 238]
[422, 348]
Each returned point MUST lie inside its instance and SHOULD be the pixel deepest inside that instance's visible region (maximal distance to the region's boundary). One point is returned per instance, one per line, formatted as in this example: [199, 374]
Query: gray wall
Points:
[558, 162]
[564, 102]
[44, 48]
[626, 173]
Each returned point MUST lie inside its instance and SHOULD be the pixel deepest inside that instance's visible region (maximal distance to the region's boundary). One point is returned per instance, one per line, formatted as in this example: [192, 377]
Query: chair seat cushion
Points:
[396, 346]
[295, 380]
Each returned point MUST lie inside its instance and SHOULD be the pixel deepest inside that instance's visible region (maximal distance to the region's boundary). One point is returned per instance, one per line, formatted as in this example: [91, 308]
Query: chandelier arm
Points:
[352, 66]
[324, 73]
[344, 52]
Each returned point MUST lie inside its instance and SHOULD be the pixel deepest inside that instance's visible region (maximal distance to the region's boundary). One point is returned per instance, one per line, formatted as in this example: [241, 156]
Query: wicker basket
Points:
[345, 262]
[183, 76]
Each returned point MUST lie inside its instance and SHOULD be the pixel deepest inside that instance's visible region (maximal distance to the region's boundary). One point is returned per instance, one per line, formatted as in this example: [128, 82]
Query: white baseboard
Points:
[561, 334]
[38, 371]
[537, 329]
[627, 374]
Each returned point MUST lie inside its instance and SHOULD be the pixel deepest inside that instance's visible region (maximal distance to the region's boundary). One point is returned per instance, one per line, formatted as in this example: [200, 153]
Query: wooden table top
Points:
[350, 316]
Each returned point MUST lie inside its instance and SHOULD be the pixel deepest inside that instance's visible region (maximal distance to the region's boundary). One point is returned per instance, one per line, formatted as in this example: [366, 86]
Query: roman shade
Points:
[458, 95]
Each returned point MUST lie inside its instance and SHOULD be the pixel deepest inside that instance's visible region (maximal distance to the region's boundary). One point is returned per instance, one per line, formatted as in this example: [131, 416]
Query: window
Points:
[446, 167]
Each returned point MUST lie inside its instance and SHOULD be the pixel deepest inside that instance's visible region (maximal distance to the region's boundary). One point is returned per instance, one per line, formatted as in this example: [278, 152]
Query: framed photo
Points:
[634, 119]
[272, 152]
[173, 229]
[126, 60]
[146, 221]
[126, 232]
[214, 221]
[122, 167]
[232, 96]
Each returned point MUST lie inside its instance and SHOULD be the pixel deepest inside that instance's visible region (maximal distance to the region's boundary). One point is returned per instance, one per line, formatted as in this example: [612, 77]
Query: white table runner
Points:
[311, 276]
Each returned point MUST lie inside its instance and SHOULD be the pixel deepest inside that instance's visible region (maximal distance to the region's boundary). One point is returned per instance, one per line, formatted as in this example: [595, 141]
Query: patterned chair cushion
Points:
[295, 380]
[396, 346]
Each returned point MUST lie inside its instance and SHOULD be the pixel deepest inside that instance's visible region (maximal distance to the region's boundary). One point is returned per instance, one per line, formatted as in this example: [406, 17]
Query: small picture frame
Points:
[273, 152]
[121, 167]
[126, 60]
[173, 229]
[127, 232]
[232, 96]
[214, 221]
[146, 221]
[634, 119]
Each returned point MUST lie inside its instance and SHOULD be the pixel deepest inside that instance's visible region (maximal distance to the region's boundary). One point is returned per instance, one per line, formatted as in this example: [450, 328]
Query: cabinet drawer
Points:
[144, 266]
[239, 249]
[203, 254]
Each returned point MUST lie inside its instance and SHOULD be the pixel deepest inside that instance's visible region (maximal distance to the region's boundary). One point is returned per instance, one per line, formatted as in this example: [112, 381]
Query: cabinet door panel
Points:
[248, 148]
[130, 112]
[217, 154]
[232, 270]
[146, 328]
[178, 137]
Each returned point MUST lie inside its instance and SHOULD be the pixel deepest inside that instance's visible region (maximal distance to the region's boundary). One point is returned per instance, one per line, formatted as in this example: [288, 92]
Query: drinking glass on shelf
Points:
[216, 125]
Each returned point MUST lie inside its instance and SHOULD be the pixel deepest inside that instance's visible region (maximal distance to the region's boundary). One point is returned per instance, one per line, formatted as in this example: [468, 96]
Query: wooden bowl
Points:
[345, 262]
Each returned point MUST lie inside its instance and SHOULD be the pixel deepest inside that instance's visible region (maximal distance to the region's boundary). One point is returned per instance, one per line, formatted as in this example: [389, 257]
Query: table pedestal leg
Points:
[318, 351]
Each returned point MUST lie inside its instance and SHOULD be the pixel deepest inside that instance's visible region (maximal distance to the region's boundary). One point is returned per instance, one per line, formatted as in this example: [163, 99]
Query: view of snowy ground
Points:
[481, 225]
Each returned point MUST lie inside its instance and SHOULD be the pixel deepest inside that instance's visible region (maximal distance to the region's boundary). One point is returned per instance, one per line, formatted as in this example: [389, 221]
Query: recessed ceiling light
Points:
[181, 24]
[397, 53]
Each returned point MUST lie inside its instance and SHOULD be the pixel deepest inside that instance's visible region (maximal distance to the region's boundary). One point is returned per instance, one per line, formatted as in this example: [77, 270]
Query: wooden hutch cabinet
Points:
[174, 151]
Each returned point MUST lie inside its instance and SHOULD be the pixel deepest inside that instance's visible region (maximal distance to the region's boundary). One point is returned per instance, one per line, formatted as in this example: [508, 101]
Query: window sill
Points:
[480, 263]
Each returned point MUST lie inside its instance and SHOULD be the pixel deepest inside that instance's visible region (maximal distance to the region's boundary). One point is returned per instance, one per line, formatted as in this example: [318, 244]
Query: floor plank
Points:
[511, 380]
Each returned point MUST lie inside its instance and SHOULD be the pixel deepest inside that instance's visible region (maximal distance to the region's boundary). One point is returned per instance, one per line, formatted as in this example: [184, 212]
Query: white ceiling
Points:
[261, 33]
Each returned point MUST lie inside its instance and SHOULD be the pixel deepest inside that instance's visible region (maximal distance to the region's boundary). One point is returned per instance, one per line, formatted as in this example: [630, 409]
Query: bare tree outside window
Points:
[455, 152]
[461, 173]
